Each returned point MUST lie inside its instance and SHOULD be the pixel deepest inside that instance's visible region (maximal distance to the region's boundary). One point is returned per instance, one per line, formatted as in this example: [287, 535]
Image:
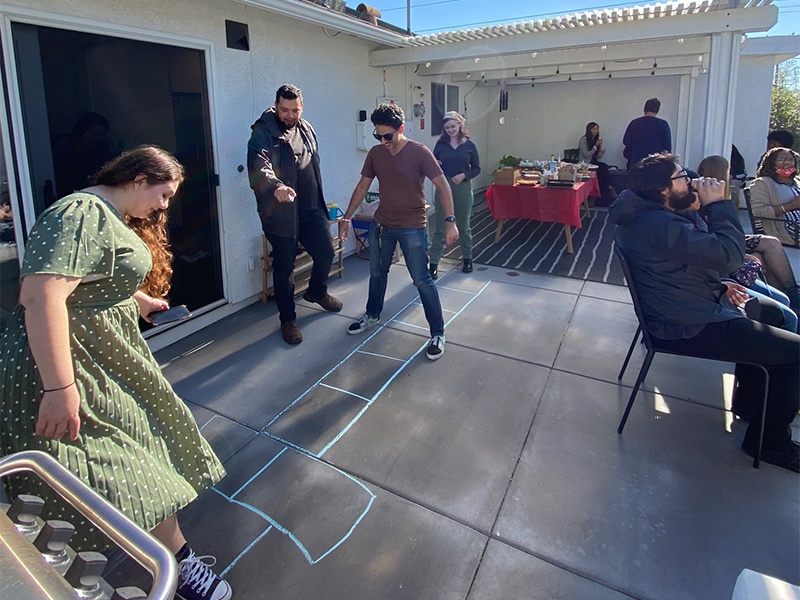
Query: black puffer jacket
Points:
[677, 262]
[270, 164]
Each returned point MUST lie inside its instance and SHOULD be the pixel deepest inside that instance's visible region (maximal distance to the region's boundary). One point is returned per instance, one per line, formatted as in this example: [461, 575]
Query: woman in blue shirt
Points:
[459, 159]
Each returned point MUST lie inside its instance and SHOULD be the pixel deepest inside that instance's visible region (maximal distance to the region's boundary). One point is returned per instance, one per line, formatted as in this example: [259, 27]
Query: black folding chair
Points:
[572, 155]
[652, 349]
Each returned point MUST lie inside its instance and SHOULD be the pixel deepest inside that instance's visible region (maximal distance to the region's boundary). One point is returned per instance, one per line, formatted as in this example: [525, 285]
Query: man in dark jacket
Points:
[675, 262]
[283, 163]
[646, 135]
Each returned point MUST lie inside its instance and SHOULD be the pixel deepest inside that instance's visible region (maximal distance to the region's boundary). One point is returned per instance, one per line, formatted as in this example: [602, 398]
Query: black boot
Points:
[434, 271]
[467, 265]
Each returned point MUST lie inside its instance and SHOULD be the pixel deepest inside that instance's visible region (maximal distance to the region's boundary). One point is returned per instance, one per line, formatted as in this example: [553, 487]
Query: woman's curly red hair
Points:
[158, 166]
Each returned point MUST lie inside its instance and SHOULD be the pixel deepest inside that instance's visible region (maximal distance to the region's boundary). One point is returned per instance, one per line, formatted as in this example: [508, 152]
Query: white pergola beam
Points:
[721, 98]
[644, 49]
[692, 71]
[548, 36]
[646, 66]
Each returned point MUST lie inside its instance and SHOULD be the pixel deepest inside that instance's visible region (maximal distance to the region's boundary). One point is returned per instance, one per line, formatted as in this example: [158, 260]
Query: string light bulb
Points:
[604, 66]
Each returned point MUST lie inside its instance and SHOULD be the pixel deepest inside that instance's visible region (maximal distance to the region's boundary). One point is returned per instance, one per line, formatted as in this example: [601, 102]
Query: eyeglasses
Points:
[683, 175]
[785, 160]
[386, 136]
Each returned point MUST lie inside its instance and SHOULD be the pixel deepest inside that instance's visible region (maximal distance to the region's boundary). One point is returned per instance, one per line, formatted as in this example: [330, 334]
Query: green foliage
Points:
[785, 112]
[509, 161]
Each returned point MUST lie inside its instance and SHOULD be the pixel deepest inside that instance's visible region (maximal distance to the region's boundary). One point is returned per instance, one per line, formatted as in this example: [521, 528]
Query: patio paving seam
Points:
[527, 551]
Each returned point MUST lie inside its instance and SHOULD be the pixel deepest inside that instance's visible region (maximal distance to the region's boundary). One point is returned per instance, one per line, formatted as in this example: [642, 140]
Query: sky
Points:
[431, 16]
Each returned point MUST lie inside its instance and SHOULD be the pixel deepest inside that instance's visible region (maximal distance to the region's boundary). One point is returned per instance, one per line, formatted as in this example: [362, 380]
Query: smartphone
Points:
[175, 313]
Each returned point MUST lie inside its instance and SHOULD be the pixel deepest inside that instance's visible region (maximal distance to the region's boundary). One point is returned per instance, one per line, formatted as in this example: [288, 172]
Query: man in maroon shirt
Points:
[401, 166]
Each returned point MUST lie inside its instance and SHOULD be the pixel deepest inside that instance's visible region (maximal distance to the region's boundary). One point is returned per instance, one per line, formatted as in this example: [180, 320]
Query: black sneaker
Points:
[435, 348]
[434, 271]
[787, 457]
[196, 580]
[364, 323]
[467, 265]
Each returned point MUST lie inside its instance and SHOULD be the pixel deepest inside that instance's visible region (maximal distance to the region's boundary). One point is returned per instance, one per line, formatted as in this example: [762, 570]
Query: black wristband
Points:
[60, 388]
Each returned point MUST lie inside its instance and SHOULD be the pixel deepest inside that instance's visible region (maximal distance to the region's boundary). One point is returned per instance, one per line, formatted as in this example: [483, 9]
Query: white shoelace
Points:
[195, 572]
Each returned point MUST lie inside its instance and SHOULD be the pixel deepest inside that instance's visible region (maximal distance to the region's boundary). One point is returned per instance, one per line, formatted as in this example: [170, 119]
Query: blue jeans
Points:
[414, 244]
[759, 289]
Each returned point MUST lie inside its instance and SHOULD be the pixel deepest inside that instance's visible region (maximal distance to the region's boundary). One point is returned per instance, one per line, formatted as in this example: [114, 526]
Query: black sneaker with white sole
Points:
[435, 348]
[196, 580]
[364, 323]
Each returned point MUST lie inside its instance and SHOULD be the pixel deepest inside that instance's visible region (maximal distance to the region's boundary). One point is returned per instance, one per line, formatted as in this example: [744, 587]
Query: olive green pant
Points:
[462, 199]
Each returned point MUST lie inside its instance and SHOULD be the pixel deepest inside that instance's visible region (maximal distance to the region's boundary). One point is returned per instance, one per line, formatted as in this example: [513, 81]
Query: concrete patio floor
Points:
[357, 469]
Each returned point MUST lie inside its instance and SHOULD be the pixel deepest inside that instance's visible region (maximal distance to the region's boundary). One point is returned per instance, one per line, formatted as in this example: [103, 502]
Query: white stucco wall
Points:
[551, 117]
[333, 73]
[753, 103]
[751, 112]
[337, 82]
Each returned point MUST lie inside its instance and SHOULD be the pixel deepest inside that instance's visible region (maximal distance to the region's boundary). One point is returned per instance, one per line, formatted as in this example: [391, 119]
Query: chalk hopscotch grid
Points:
[273, 524]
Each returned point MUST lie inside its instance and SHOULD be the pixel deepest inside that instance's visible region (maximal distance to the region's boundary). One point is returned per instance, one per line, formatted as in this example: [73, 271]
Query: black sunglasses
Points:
[386, 136]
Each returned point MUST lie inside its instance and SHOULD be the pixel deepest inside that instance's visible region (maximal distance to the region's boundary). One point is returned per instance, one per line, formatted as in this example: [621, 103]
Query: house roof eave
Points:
[324, 17]
[781, 47]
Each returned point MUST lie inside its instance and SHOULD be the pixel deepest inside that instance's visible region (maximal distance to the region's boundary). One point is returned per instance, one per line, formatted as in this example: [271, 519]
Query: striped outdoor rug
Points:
[534, 247]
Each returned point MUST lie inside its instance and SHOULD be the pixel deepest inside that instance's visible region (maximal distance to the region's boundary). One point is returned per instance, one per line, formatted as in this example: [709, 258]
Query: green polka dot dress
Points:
[139, 445]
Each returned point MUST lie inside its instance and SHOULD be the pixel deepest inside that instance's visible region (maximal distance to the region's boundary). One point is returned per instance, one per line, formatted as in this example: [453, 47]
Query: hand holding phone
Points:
[176, 313]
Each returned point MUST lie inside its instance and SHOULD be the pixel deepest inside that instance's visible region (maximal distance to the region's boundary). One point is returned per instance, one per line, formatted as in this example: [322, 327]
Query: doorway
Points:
[87, 97]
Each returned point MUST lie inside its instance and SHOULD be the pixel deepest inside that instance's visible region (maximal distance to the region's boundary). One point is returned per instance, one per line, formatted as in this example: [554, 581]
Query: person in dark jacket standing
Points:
[676, 263]
[283, 163]
[646, 135]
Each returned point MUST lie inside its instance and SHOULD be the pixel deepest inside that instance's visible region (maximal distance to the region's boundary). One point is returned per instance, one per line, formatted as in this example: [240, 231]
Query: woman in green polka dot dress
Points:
[80, 382]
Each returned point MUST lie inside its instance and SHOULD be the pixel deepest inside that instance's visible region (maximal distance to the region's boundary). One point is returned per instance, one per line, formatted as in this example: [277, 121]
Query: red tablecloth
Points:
[540, 203]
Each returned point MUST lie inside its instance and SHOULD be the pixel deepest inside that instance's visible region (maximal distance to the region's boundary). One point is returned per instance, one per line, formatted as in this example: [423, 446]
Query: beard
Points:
[284, 127]
[680, 201]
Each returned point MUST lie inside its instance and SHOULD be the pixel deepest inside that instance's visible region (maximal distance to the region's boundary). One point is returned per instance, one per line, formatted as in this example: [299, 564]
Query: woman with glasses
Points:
[775, 195]
[459, 159]
[760, 251]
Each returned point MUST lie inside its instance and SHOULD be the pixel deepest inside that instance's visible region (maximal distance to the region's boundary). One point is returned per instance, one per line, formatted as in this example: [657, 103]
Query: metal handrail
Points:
[135, 541]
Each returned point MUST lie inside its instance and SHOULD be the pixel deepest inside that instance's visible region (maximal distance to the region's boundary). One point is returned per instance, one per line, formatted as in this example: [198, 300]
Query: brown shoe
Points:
[327, 302]
[291, 333]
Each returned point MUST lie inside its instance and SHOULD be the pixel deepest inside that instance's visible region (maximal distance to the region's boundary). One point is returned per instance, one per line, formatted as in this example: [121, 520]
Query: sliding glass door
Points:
[86, 97]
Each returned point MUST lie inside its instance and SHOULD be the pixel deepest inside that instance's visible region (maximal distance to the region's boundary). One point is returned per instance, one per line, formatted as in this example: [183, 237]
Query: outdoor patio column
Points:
[721, 98]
